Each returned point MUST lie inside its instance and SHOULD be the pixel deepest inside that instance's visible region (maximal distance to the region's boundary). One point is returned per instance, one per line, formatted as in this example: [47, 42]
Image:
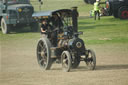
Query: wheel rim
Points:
[42, 54]
[91, 60]
[66, 61]
[124, 14]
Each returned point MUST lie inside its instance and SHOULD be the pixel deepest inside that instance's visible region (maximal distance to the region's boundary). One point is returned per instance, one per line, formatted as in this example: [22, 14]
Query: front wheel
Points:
[66, 61]
[90, 60]
[5, 27]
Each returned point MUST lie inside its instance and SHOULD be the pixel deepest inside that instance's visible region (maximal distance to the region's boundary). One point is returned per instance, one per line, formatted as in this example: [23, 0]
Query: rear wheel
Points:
[91, 60]
[66, 61]
[123, 13]
[44, 53]
[5, 27]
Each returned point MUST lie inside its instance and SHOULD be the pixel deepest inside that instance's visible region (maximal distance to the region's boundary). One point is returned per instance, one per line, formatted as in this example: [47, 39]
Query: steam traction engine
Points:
[67, 47]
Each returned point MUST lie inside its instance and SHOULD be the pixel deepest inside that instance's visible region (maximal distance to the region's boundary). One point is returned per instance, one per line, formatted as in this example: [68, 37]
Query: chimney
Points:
[75, 15]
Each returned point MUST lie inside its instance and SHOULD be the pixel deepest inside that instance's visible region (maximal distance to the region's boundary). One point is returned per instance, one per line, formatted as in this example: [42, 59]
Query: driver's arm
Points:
[43, 28]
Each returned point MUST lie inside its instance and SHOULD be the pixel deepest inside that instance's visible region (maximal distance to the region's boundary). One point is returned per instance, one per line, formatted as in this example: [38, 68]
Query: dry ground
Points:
[18, 63]
[19, 66]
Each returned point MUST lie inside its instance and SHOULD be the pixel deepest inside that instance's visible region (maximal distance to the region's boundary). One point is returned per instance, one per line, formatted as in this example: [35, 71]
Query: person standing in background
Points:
[97, 9]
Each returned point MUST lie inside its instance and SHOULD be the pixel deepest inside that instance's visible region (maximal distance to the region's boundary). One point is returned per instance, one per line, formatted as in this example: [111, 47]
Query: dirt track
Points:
[19, 67]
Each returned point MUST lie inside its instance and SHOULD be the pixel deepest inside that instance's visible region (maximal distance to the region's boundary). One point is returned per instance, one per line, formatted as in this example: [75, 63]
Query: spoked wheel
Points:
[91, 60]
[44, 53]
[66, 61]
[76, 62]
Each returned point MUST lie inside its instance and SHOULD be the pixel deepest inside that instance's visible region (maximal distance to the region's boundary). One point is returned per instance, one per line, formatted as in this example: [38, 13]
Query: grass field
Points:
[107, 30]
[62, 4]
[108, 37]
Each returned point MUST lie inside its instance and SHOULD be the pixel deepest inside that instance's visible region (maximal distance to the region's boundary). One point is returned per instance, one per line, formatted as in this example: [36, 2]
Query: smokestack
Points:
[75, 15]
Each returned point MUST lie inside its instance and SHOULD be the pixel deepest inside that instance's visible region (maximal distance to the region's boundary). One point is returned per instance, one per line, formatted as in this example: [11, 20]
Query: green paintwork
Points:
[10, 12]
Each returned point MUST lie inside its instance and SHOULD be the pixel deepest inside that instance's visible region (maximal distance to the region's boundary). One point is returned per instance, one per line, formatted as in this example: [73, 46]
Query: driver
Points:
[45, 26]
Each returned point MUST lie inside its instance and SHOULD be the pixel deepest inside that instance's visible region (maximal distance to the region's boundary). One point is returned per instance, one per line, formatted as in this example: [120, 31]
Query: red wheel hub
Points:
[124, 14]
